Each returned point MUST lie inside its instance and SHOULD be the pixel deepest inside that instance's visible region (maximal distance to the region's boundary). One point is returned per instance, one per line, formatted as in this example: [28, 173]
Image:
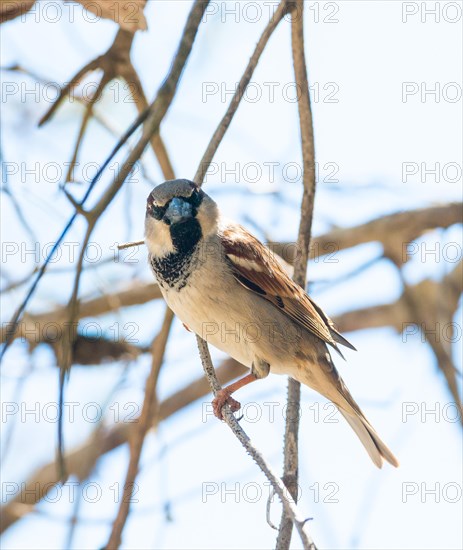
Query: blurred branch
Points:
[394, 231]
[396, 314]
[426, 308]
[64, 348]
[95, 114]
[10, 9]
[115, 63]
[121, 12]
[278, 486]
[128, 14]
[88, 351]
[32, 327]
[140, 430]
[291, 438]
[81, 461]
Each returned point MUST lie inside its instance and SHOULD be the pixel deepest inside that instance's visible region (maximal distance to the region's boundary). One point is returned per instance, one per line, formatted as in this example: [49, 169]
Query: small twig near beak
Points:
[130, 245]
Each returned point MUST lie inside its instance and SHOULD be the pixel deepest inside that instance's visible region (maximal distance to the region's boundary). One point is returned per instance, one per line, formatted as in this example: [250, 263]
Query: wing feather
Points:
[255, 267]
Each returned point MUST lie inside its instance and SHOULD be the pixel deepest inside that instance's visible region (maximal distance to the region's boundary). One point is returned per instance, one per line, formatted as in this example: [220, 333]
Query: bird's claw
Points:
[219, 401]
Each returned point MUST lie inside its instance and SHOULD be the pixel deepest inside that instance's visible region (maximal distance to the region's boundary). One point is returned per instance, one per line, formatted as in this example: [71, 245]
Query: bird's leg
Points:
[224, 395]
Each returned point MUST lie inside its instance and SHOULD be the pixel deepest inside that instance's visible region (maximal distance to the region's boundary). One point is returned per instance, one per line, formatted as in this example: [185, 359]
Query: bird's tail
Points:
[331, 385]
[373, 444]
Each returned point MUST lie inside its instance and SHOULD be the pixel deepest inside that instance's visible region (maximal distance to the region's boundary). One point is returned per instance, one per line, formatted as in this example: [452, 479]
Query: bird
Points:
[231, 290]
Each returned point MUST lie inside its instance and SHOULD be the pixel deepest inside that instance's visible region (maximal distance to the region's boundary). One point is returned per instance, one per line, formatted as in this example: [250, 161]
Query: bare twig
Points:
[130, 245]
[65, 355]
[94, 114]
[288, 502]
[134, 294]
[430, 307]
[291, 439]
[241, 88]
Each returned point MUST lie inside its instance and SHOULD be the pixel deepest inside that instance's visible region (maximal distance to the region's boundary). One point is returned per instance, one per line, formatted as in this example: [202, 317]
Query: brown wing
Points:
[255, 267]
[332, 328]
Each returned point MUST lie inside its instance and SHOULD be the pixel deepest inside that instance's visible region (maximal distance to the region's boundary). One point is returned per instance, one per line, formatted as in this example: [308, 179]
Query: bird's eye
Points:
[196, 197]
[157, 211]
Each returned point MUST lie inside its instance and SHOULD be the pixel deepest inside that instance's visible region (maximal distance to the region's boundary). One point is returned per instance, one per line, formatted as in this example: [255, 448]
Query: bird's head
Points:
[178, 215]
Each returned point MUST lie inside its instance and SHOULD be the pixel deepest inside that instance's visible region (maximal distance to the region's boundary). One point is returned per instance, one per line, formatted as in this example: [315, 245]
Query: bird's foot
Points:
[222, 397]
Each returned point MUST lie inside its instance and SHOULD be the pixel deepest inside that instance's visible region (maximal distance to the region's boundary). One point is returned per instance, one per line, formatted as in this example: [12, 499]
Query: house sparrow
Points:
[228, 288]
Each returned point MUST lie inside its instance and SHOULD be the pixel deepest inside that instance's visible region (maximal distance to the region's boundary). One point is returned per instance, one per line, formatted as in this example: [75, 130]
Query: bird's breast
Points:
[231, 318]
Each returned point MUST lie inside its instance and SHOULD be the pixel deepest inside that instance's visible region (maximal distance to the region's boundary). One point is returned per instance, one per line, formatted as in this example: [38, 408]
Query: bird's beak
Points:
[178, 210]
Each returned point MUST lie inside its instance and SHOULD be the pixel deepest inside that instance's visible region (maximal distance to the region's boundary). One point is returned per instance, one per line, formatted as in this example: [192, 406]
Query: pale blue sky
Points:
[368, 135]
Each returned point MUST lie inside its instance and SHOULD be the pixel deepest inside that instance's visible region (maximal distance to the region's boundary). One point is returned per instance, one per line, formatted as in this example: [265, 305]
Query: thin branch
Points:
[130, 75]
[73, 521]
[291, 439]
[130, 245]
[88, 112]
[67, 342]
[278, 486]
[218, 135]
[141, 428]
[71, 85]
